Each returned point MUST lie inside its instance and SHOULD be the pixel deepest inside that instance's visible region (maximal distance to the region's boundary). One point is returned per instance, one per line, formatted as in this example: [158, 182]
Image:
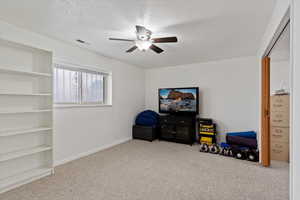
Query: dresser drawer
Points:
[280, 151]
[280, 134]
[280, 103]
[280, 119]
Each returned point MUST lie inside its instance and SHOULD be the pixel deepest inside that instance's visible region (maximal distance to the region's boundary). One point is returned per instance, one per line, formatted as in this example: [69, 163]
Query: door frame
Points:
[265, 88]
[265, 112]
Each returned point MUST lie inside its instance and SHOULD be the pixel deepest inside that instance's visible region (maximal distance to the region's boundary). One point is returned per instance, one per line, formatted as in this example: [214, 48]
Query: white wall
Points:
[280, 75]
[228, 90]
[296, 99]
[79, 131]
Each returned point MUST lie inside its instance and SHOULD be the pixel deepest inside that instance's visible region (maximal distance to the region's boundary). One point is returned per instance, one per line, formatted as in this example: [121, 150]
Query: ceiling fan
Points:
[144, 41]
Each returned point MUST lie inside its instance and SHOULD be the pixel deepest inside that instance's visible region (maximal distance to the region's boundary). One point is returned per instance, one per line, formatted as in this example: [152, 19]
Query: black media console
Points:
[178, 128]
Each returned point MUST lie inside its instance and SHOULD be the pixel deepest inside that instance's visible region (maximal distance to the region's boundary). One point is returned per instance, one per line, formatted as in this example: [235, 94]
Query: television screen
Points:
[178, 100]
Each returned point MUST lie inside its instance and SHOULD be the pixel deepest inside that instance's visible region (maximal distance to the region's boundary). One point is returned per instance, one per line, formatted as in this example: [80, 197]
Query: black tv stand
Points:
[178, 128]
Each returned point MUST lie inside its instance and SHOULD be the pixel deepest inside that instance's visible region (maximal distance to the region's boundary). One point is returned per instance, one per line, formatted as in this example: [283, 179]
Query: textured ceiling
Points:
[207, 30]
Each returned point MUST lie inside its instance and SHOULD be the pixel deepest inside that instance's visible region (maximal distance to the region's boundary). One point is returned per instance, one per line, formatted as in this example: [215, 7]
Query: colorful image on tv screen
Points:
[178, 100]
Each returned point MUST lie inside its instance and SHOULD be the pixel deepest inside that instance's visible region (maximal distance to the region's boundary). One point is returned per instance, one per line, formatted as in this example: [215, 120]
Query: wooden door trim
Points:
[265, 113]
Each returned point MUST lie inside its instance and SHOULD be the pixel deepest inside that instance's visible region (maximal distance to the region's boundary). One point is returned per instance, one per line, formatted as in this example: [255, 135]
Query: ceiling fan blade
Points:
[119, 39]
[156, 48]
[164, 40]
[131, 49]
[140, 29]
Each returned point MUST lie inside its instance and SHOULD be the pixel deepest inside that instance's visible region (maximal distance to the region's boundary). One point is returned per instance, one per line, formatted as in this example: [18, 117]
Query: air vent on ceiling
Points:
[81, 41]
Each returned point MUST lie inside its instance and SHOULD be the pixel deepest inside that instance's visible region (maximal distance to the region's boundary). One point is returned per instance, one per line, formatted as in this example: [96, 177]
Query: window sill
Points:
[57, 106]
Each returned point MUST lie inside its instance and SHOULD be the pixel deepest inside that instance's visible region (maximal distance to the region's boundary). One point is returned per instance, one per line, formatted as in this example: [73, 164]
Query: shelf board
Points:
[23, 131]
[23, 111]
[23, 178]
[23, 72]
[26, 94]
[23, 152]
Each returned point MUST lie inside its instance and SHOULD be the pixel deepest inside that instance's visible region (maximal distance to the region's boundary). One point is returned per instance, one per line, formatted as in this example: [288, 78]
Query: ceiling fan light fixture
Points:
[144, 41]
[143, 45]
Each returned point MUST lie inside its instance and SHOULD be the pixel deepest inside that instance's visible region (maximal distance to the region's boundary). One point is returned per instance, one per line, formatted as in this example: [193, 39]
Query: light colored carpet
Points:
[140, 170]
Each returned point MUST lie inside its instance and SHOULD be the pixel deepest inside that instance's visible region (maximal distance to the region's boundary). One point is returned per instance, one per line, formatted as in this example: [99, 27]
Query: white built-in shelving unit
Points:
[26, 138]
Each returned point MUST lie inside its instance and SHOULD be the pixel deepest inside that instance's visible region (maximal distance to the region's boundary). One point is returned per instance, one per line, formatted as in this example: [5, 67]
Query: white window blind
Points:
[78, 86]
[92, 87]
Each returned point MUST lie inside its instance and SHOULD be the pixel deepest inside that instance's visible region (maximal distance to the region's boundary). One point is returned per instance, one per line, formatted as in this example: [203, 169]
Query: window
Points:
[78, 86]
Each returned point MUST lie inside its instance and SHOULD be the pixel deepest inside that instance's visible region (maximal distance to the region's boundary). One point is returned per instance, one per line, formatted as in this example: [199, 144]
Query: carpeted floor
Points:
[140, 170]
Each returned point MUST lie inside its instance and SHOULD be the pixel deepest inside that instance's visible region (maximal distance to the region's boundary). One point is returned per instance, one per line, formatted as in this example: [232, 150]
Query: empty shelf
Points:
[26, 94]
[23, 152]
[24, 111]
[23, 131]
[26, 122]
[23, 178]
[22, 72]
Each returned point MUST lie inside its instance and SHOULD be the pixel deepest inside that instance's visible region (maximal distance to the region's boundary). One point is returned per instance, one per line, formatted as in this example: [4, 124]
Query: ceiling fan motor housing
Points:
[144, 35]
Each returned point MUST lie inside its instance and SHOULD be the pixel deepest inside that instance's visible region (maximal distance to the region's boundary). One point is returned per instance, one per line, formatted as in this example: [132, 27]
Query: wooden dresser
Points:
[280, 127]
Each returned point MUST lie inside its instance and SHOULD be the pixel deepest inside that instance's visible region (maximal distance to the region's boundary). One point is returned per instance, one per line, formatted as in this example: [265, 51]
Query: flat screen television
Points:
[179, 100]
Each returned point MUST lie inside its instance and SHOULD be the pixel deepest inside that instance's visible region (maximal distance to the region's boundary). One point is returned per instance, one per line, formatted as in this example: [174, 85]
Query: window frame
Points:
[91, 70]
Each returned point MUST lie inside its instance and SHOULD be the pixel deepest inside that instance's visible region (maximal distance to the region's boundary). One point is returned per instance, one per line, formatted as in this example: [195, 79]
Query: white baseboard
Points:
[75, 157]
